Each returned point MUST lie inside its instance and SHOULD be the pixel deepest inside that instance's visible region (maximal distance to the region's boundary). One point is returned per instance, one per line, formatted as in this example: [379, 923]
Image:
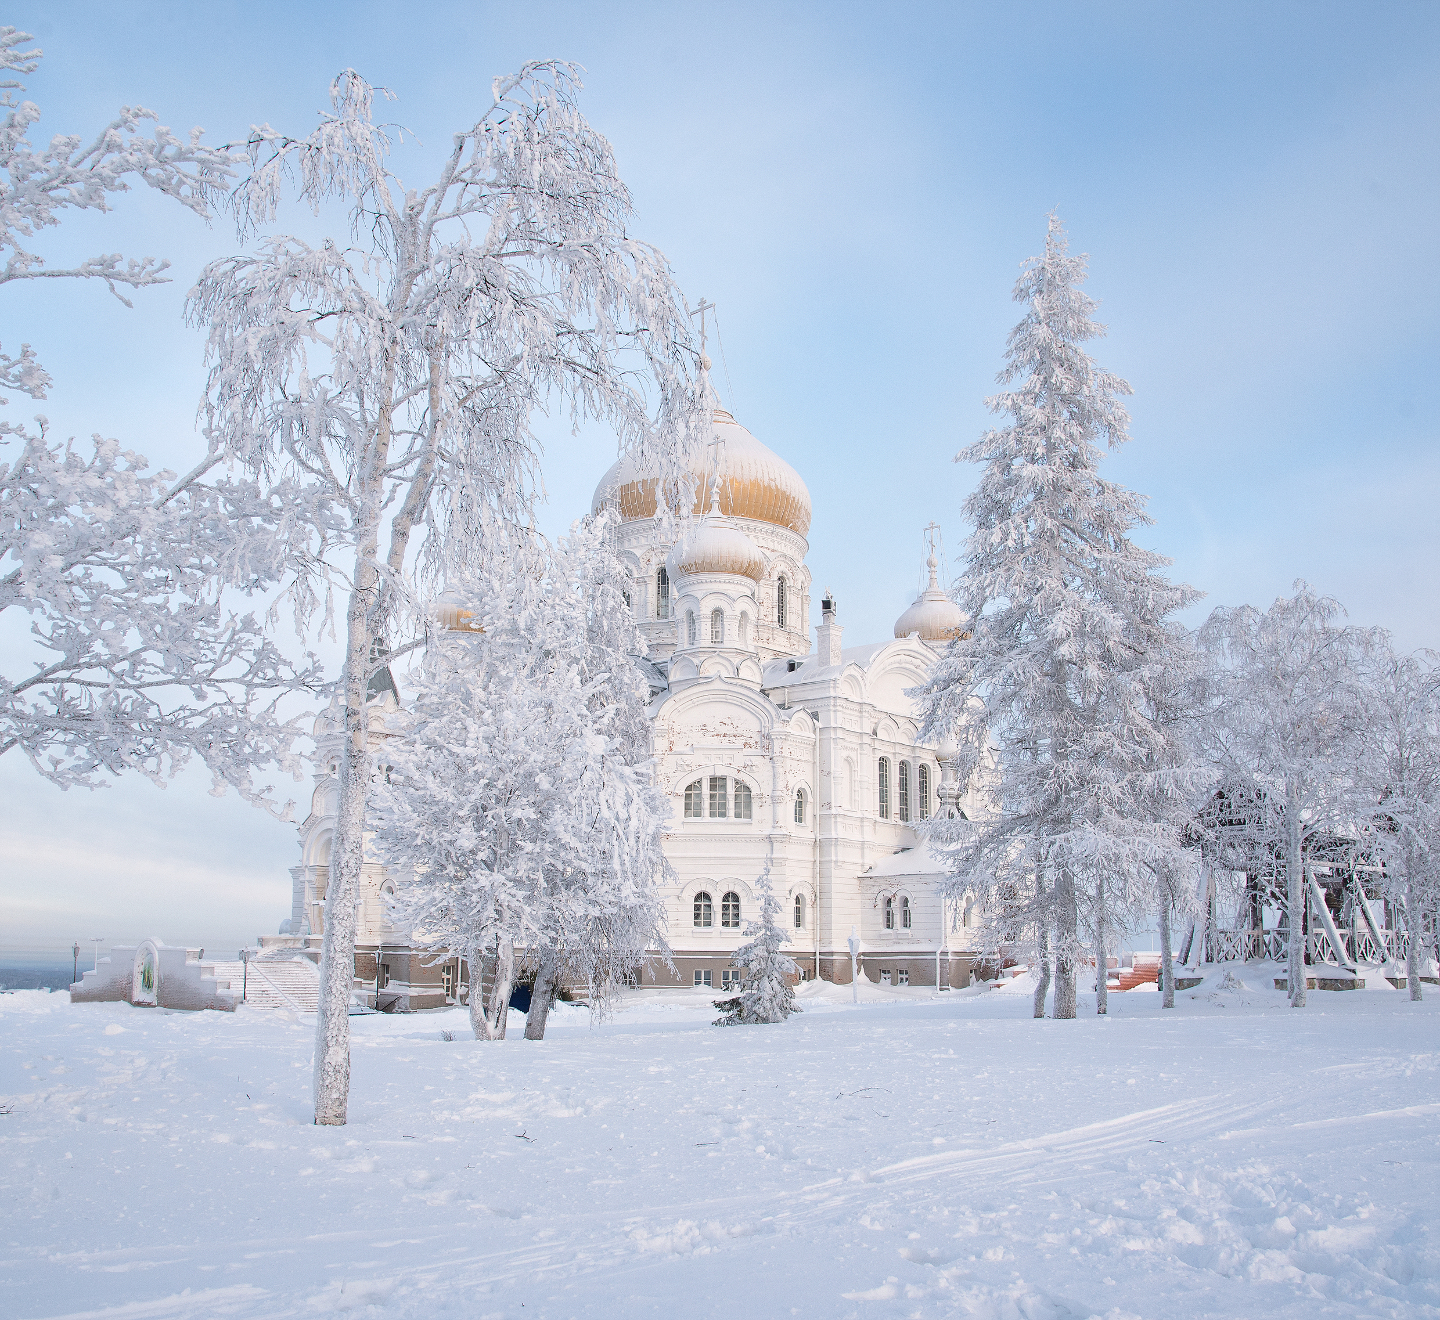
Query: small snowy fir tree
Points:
[120, 571]
[518, 815]
[1285, 725]
[382, 383]
[766, 993]
[1069, 621]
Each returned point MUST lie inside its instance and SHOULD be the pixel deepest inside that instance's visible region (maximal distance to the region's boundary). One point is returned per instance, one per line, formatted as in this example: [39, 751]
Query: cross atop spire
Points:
[700, 312]
[932, 560]
[717, 445]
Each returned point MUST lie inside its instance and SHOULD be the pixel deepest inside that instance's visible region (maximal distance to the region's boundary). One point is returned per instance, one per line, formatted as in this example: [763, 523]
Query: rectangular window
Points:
[704, 980]
[384, 975]
[884, 978]
[447, 981]
[902, 977]
[719, 804]
[730, 978]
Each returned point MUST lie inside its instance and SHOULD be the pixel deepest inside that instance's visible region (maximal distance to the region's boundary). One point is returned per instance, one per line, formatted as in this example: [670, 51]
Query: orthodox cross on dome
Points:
[717, 446]
[932, 560]
[700, 312]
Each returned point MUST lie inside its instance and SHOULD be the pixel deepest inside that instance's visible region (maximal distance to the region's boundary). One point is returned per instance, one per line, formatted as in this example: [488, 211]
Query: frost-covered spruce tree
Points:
[1401, 762]
[519, 815]
[1285, 723]
[120, 571]
[766, 993]
[390, 376]
[1069, 626]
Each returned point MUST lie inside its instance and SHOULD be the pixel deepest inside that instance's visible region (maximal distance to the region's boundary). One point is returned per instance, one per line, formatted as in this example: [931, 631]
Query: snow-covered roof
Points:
[920, 860]
[779, 674]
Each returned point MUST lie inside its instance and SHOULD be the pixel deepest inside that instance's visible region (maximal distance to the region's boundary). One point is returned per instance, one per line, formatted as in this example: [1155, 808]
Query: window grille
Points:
[744, 801]
[902, 977]
[889, 914]
[717, 627]
[694, 800]
[662, 594]
[883, 781]
[799, 806]
[903, 786]
[904, 913]
[704, 909]
[730, 910]
[781, 602]
[719, 806]
[922, 791]
[799, 911]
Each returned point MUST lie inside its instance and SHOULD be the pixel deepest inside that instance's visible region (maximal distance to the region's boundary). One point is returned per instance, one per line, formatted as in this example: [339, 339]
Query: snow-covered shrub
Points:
[766, 993]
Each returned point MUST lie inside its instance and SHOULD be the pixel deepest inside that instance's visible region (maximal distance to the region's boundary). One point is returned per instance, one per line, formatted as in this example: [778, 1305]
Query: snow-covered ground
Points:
[912, 1156]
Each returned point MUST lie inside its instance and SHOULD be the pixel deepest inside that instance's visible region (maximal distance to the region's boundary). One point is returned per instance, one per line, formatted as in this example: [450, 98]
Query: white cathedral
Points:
[769, 750]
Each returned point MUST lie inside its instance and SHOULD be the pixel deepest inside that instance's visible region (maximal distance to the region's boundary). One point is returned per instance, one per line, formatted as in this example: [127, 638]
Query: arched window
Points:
[904, 790]
[851, 786]
[730, 910]
[694, 800]
[662, 593]
[799, 806]
[904, 912]
[717, 627]
[969, 912]
[704, 909]
[922, 790]
[744, 801]
[889, 914]
[690, 628]
[883, 783]
[781, 602]
[719, 797]
[744, 630]
[799, 911]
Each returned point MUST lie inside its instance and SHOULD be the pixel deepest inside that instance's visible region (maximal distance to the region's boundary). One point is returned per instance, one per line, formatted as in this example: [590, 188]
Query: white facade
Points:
[770, 751]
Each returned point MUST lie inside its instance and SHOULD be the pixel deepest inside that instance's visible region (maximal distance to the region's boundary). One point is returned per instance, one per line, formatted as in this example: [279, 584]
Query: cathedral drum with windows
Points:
[774, 751]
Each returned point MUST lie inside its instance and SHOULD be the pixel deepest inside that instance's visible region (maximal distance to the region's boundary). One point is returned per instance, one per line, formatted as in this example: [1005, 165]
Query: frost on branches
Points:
[1285, 725]
[1070, 639]
[519, 818]
[391, 375]
[119, 570]
[766, 993]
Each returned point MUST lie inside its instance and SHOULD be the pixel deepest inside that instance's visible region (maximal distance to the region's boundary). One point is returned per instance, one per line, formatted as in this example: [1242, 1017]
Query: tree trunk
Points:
[1412, 939]
[1066, 925]
[542, 997]
[1102, 953]
[476, 1003]
[1042, 989]
[1294, 898]
[347, 855]
[1167, 962]
[500, 991]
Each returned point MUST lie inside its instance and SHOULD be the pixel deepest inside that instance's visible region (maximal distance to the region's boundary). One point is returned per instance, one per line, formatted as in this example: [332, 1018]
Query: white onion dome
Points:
[934, 617]
[755, 483]
[715, 546]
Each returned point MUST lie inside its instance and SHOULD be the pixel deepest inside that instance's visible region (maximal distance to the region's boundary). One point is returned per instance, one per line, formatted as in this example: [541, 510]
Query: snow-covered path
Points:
[913, 1156]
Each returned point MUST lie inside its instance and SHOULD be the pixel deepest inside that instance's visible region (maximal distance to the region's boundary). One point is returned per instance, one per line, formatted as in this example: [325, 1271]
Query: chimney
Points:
[827, 635]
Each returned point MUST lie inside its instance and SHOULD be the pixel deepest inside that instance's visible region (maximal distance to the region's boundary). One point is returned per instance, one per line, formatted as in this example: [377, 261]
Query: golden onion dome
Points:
[754, 483]
[934, 617]
[715, 546]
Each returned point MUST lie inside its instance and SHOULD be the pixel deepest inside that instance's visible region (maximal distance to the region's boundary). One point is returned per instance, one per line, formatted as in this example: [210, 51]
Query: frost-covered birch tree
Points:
[140, 665]
[519, 813]
[1069, 631]
[766, 993]
[1284, 722]
[392, 377]
[1401, 761]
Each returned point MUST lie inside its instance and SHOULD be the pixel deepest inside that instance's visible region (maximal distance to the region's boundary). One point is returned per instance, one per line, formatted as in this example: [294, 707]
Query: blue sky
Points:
[855, 186]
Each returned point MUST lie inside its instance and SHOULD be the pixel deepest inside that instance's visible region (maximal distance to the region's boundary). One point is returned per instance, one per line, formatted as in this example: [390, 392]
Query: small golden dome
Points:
[755, 483]
[934, 617]
[714, 546]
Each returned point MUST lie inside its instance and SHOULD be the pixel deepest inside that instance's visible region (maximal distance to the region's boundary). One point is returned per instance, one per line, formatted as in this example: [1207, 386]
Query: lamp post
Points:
[244, 974]
[854, 942]
[75, 970]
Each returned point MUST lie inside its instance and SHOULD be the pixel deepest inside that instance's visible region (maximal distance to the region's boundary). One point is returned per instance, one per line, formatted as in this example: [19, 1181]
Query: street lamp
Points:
[75, 969]
[244, 974]
[854, 965]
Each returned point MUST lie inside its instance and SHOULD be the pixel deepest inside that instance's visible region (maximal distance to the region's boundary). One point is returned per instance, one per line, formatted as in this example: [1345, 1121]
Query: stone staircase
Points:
[284, 981]
[1146, 971]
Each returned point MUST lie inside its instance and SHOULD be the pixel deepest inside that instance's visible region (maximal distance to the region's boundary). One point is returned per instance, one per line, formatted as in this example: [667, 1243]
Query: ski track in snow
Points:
[911, 1157]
